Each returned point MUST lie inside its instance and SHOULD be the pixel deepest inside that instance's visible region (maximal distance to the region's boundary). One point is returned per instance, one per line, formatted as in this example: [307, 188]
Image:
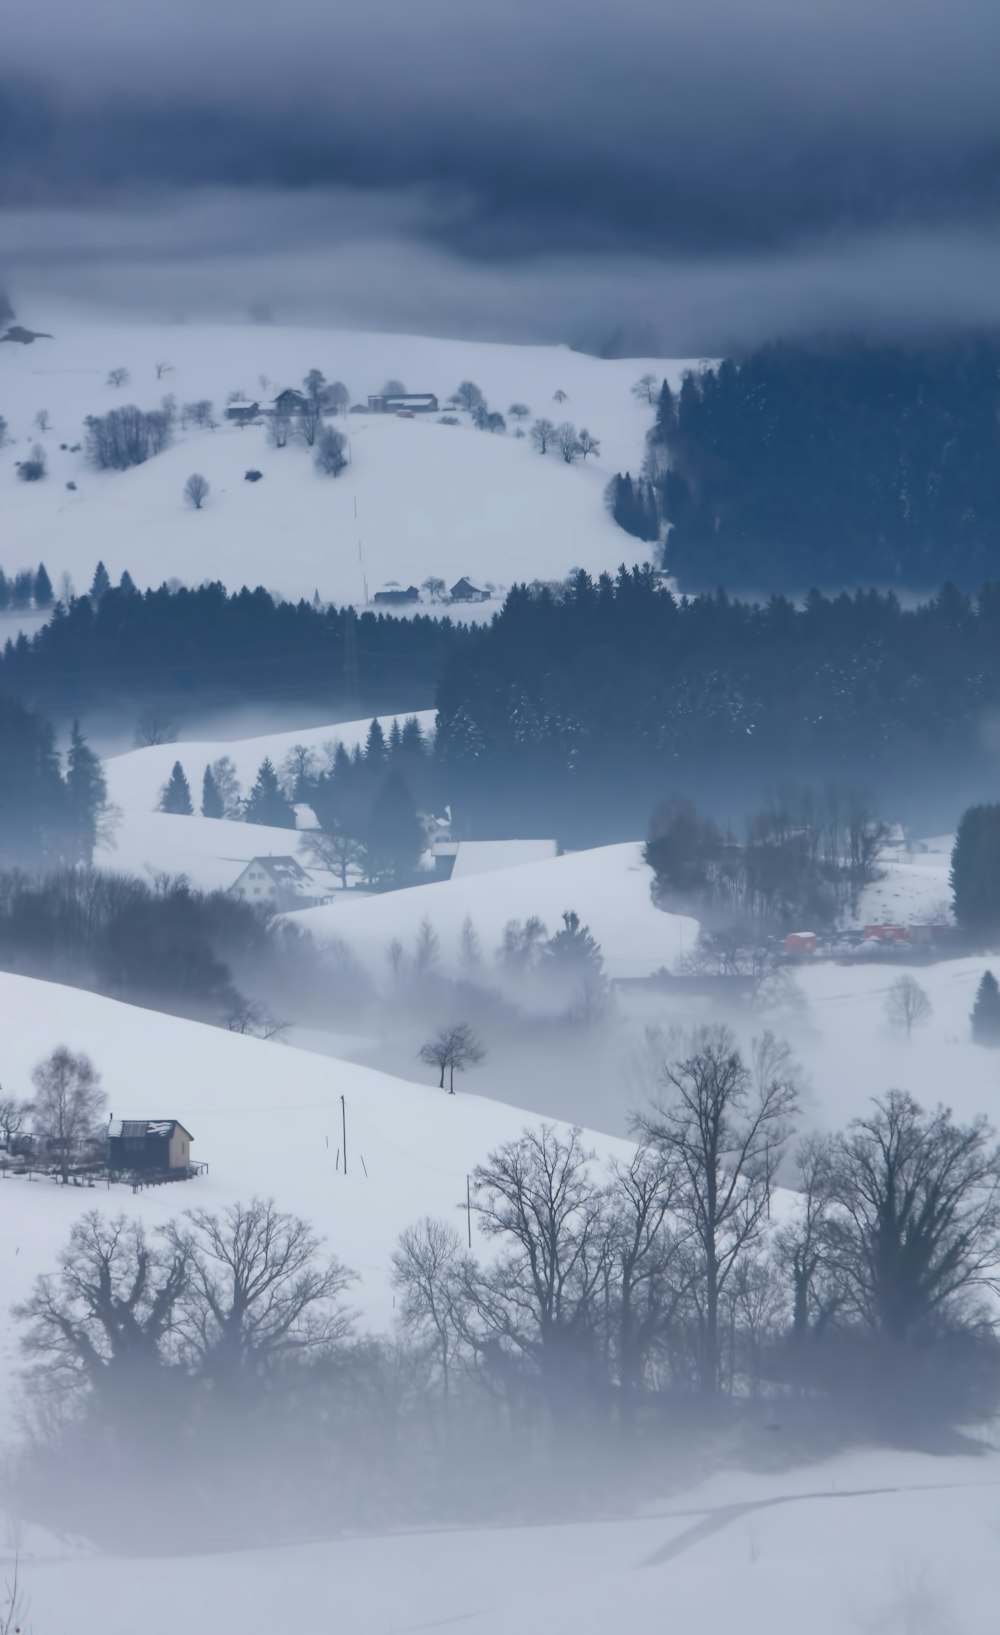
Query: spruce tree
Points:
[176, 793]
[43, 587]
[975, 869]
[126, 584]
[101, 583]
[212, 805]
[412, 738]
[574, 949]
[375, 750]
[395, 738]
[267, 801]
[87, 795]
[4, 592]
[393, 835]
[986, 1011]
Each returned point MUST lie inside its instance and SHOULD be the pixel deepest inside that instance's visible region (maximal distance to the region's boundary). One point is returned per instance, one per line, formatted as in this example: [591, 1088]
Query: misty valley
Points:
[499, 954]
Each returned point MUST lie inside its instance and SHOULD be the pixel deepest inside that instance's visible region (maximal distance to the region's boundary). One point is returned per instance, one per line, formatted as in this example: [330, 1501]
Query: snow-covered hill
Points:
[265, 1117]
[609, 887]
[418, 498]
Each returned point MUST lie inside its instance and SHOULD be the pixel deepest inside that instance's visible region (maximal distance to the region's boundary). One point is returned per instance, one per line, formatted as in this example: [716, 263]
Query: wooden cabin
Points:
[149, 1146]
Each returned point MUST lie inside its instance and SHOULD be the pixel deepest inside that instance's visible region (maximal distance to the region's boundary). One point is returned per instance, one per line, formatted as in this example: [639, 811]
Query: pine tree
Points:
[394, 835]
[395, 738]
[573, 949]
[176, 793]
[126, 584]
[4, 592]
[43, 587]
[212, 805]
[101, 583]
[412, 738]
[975, 869]
[87, 795]
[375, 750]
[986, 1011]
[267, 801]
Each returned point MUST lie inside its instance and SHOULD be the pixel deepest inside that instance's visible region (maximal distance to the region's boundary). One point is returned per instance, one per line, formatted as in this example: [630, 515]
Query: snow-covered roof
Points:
[486, 856]
[284, 871]
[134, 1128]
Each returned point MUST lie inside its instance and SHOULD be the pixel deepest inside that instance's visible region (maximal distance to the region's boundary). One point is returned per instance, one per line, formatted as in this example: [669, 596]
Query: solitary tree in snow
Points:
[588, 444]
[559, 396]
[329, 457]
[986, 1011]
[907, 1005]
[645, 388]
[42, 420]
[153, 727]
[434, 587]
[334, 851]
[175, 795]
[211, 800]
[468, 396]
[118, 377]
[542, 435]
[196, 490]
[519, 411]
[163, 368]
[451, 1051]
[69, 1102]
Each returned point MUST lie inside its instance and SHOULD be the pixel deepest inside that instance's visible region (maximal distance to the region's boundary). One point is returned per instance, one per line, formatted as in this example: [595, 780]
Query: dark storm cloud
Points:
[714, 141]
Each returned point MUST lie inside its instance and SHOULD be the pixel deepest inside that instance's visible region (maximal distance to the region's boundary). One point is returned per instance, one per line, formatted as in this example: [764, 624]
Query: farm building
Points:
[397, 597]
[290, 401]
[242, 411]
[466, 591]
[402, 403]
[275, 882]
[158, 1146]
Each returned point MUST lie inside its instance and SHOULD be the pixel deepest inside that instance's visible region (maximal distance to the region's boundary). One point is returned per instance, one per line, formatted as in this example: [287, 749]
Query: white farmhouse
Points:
[276, 882]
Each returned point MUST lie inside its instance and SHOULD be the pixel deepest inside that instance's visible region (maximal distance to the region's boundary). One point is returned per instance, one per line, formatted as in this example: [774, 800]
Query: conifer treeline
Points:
[835, 465]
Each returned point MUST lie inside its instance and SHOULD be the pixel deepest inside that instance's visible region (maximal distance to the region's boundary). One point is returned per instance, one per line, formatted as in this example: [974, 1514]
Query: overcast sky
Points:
[699, 174]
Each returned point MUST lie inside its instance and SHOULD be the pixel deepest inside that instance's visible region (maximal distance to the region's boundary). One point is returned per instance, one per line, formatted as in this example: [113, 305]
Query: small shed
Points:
[801, 943]
[402, 403]
[160, 1146]
[242, 411]
[466, 591]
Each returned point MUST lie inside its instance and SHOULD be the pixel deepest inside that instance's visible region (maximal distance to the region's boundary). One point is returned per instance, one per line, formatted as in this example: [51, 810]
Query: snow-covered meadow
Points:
[417, 499]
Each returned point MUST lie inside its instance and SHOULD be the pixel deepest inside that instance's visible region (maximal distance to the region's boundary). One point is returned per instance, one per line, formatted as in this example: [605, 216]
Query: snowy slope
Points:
[266, 1118]
[886, 1542]
[418, 498]
[608, 887]
[136, 778]
[210, 852]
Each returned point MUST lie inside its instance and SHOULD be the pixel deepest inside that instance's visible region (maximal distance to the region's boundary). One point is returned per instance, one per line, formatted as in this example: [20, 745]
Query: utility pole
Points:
[343, 1125]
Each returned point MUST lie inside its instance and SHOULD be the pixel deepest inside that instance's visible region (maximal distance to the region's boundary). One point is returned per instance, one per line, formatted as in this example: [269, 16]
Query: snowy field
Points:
[417, 499]
[210, 852]
[267, 1120]
[914, 886]
[870, 1543]
[608, 887]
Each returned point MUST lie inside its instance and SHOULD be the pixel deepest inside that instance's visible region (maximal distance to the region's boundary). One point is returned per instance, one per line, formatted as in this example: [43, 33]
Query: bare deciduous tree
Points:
[725, 1123]
[309, 422]
[453, 1050]
[588, 444]
[568, 442]
[118, 377]
[804, 1245]
[907, 1005]
[258, 1292]
[196, 490]
[334, 851]
[468, 396]
[436, 588]
[559, 396]
[43, 420]
[154, 726]
[921, 1200]
[470, 947]
[162, 369]
[519, 411]
[425, 1272]
[69, 1102]
[645, 388]
[107, 1315]
[14, 1117]
[542, 435]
